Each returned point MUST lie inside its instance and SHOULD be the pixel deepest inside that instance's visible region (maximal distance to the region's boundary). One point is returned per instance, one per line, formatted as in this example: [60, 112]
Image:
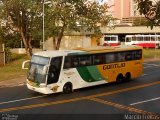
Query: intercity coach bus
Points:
[66, 70]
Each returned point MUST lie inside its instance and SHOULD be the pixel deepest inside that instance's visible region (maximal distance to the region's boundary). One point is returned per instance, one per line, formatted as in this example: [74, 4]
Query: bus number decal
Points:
[112, 66]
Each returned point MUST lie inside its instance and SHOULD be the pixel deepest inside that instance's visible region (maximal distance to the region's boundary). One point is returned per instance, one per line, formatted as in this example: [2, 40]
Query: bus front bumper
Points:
[43, 90]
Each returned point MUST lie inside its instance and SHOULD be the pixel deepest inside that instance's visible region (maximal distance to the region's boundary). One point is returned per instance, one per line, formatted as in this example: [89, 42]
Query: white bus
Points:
[110, 40]
[66, 70]
[146, 41]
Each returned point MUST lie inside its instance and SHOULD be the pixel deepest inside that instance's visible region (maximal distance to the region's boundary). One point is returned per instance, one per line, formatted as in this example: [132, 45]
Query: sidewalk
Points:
[13, 82]
[152, 59]
[22, 80]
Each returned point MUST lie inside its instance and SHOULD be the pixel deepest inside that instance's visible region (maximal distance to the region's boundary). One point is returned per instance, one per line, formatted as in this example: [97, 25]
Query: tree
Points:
[74, 15]
[23, 17]
[151, 10]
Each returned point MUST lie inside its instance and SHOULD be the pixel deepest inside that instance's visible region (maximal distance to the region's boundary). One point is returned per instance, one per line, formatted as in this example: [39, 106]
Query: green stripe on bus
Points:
[94, 72]
[90, 73]
[84, 73]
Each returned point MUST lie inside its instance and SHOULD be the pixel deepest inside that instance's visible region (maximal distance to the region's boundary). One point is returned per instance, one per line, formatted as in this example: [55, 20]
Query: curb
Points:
[12, 85]
[152, 60]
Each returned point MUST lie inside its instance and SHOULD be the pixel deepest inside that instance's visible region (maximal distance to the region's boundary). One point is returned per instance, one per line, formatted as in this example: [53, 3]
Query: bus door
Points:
[54, 70]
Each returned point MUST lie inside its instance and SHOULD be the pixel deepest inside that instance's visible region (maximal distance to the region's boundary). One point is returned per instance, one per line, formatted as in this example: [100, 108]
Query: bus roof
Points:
[55, 53]
[101, 49]
[90, 50]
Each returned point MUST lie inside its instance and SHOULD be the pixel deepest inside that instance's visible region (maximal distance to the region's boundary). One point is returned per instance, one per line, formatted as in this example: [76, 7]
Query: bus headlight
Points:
[43, 85]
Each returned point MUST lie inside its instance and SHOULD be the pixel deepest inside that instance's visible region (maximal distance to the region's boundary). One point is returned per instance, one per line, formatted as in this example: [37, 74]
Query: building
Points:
[119, 8]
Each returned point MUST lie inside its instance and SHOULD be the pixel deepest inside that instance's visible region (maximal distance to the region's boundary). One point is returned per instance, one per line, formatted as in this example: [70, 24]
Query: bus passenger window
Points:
[128, 39]
[121, 57]
[75, 61]
[67, 62]
[129, 55]
[85, 60]
[98, 59]
[110, 58]
[138, 55]
[152, 38]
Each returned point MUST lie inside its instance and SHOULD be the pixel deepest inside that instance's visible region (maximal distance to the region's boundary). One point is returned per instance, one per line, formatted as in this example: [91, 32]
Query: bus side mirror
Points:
[24, 64]
[45, 69]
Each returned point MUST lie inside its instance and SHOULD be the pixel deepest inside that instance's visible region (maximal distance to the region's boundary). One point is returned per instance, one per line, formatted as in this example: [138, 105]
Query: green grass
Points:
[151, 53]
[13, 69]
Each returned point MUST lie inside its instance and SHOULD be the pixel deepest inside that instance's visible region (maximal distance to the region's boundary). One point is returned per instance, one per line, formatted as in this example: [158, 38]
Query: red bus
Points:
[110, 40]
[146, 41]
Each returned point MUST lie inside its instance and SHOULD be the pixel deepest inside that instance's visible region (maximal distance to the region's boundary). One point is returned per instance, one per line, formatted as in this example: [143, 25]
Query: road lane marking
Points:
[152, 64]
[41, 105]
[153, 99]
[126, 89]
[78, 99]
[120, 106]
[144, 75]
[22, 99]
[148, 67]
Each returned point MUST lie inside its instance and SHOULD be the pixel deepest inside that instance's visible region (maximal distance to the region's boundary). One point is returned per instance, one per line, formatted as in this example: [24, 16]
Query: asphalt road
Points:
[140, 96]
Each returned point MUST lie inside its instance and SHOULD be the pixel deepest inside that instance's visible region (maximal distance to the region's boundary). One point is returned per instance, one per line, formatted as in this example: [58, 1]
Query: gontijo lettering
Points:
[112, 66]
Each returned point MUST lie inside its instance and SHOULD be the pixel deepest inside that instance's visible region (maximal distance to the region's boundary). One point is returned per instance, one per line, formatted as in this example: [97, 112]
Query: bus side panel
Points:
[111, 71]
[135, 68]
[81, 77]
[90, 73]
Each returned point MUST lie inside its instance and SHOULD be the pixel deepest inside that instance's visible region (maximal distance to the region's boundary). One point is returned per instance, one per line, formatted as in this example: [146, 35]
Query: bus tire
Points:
[119, 78]
[67, 88]
[128, 76]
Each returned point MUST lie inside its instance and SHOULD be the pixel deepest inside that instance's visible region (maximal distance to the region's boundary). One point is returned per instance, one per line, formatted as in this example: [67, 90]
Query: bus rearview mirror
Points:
[24, 64]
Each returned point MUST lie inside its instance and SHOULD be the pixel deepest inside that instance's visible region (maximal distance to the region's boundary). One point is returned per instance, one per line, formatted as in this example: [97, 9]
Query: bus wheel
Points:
[128, 76]
[120, 78]
[67, 88]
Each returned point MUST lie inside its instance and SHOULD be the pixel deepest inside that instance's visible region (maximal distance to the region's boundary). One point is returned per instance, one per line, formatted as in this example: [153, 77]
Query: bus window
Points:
[120, 56]
[67, 62]
[128, 39]
[98, 59]
[75, 62]
[129, 55]
[113, 38]
[134, 38]
[138, 54]
[139, 38]
[152, 38]
[85, 60]
[54, 70]
[106, 38]
[109, 58]
[147, 38]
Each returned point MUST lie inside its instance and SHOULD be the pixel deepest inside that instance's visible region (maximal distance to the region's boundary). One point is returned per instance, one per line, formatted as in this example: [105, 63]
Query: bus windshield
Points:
[35, 73]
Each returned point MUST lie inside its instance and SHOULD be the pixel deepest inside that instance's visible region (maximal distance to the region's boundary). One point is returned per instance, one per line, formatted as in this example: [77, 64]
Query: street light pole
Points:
[43, 48]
